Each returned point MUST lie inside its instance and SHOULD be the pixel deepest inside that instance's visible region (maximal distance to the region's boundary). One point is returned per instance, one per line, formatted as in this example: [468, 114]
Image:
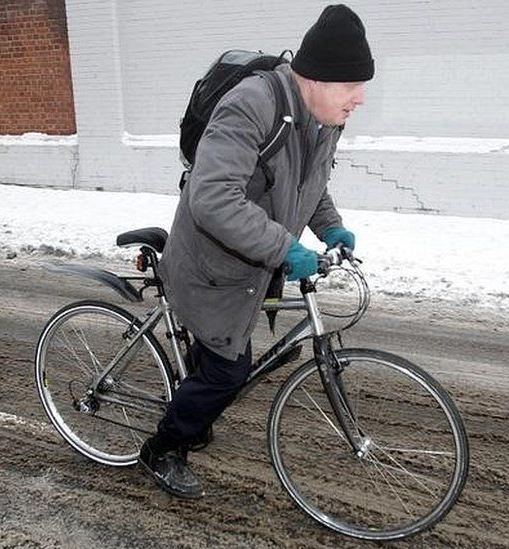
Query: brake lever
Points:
[347, 253]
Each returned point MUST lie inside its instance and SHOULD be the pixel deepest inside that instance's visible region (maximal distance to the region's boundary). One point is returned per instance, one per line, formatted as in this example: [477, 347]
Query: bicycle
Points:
[364, 442]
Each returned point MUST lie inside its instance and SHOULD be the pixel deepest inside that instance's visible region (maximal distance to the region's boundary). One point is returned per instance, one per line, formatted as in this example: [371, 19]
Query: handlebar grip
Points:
[335, 256]
[323, 265]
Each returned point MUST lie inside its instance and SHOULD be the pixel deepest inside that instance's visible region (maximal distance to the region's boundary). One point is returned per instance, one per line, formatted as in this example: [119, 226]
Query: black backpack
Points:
[225, 73]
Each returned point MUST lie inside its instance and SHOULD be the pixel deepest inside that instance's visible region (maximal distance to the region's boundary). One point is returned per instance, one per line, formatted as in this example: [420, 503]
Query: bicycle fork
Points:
[330, 369]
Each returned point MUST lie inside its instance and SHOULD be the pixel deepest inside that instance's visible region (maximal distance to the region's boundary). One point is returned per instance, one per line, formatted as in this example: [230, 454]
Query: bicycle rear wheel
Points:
[110, 424]
[412, 455]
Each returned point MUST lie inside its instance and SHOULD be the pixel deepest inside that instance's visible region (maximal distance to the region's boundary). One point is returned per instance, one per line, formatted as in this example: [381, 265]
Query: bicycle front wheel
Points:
[109, 424]
[392, 467]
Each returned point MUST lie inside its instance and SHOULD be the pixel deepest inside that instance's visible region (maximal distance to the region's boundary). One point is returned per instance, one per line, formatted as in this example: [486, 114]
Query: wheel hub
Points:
[364, 448]
[87, 404]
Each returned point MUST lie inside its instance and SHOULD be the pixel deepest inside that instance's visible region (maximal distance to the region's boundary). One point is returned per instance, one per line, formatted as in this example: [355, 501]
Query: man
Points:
[229, 236]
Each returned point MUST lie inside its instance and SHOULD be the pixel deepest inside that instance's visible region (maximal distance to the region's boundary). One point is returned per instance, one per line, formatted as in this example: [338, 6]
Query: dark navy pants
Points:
[203, 395]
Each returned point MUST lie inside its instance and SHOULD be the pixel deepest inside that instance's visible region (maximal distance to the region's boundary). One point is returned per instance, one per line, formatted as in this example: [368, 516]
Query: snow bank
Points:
[39, 139]
[460, 259]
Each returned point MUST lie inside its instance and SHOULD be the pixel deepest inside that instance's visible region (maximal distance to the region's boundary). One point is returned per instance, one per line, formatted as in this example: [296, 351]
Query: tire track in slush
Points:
[248, 504]
[53, 497]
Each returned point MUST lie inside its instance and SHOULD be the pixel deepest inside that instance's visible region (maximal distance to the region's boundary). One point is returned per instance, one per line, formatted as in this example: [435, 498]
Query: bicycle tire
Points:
[65, 363]
[312, 491]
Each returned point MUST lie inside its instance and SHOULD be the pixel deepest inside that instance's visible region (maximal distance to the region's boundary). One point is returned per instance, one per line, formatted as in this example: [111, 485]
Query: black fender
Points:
[120, 285]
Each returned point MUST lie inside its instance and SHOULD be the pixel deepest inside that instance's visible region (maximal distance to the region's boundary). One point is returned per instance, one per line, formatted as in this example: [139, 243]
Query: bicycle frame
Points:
[310, 326]
[271, 360]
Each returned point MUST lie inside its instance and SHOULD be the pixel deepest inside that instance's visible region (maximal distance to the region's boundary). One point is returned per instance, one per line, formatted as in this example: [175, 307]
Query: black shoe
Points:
[171, 472]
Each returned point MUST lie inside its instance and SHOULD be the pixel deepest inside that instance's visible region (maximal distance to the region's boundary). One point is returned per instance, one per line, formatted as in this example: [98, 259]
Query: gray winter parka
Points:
[228, 235]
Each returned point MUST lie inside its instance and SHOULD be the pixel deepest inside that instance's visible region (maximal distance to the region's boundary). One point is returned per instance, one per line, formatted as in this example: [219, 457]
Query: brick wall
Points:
[35, 76]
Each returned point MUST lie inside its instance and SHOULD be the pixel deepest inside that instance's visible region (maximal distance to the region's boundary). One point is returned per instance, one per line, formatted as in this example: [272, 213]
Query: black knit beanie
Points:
[335, 48]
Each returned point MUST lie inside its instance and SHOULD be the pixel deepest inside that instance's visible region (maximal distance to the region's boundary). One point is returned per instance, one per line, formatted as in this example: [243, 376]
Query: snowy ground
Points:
[448, 258]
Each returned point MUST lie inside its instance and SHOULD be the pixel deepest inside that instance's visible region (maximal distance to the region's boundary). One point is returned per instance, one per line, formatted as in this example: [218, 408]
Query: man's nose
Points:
[359, 95]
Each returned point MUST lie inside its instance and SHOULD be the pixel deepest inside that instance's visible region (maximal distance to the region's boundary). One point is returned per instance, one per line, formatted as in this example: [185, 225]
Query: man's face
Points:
[331, 103]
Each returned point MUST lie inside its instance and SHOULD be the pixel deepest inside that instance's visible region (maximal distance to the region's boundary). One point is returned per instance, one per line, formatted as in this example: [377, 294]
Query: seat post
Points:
[153, 264]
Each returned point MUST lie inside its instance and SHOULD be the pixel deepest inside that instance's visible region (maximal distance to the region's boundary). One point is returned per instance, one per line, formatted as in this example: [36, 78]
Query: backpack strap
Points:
[280, 130]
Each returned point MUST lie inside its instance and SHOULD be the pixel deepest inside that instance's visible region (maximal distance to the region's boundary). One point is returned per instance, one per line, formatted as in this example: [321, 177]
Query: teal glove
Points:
[300, 261]
[332, 236]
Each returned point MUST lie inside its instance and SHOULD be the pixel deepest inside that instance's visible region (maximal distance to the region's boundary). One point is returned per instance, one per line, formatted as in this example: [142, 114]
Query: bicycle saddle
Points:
[154, 237]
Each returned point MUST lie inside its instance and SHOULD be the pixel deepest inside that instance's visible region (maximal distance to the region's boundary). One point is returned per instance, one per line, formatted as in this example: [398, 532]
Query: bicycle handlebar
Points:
[335, 257]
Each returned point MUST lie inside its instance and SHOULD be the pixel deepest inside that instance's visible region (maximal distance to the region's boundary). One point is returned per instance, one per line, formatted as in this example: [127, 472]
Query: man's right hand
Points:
[300, 262]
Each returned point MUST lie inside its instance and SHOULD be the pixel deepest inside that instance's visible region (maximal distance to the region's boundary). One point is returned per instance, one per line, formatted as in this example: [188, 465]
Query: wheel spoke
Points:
[136, 391]
[376, 463]
[408, 443]
[415, 451]
[76, 345]
[374, 479]
[415, 476]
[79, 361]
[322, 414]
[83, 340]
[136, 438]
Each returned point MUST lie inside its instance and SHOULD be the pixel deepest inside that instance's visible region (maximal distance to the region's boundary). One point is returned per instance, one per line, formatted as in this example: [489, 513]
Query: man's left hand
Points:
[332, 236]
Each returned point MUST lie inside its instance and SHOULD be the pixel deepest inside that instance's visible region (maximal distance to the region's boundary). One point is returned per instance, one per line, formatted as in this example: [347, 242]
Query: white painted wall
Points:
[442, 72]
[38, 160]
[442, 65]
